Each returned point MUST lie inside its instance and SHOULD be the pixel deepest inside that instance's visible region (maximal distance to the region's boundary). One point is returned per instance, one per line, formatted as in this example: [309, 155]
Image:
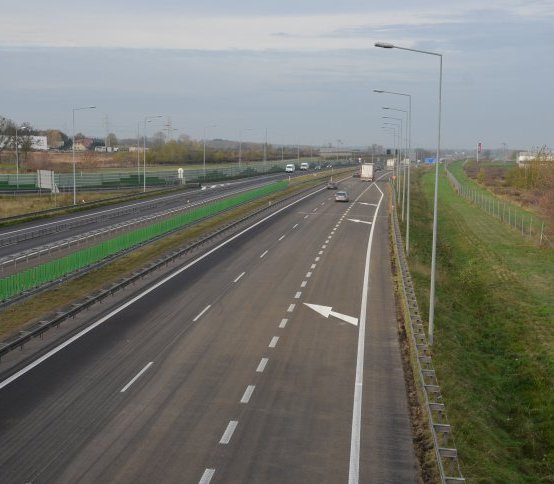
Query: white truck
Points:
[390, 163]
[366, 172]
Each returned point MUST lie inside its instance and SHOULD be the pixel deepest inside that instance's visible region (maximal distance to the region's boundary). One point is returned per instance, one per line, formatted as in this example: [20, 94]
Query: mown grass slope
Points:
[494, 335]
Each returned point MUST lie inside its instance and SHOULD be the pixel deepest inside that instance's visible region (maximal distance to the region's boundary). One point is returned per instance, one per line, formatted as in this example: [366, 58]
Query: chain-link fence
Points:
[531, 226]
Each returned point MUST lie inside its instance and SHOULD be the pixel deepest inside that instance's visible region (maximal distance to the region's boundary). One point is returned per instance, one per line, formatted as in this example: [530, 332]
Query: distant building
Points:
[524, 157]
[83, 144]
[39, 143]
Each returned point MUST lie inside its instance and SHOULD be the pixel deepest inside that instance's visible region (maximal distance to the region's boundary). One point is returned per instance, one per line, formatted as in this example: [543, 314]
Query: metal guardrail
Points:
[443, 440]
[38, 330]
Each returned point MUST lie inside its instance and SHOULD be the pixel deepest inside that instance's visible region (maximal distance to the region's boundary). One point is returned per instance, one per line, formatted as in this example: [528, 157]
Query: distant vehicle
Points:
[290, 168]
[304, 166]
[390, 163]
[317, 167]
[357, 173]
[341, 196]
[331, 185]
[366, 173]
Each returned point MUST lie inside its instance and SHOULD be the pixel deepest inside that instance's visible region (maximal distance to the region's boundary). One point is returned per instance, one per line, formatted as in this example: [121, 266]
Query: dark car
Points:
[331, 185]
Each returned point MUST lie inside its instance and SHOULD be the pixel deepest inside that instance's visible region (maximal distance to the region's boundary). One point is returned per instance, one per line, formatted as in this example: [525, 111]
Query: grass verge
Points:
[494, 335]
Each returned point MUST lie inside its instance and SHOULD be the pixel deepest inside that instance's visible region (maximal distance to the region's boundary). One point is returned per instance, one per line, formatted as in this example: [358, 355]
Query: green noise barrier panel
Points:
[50, 271]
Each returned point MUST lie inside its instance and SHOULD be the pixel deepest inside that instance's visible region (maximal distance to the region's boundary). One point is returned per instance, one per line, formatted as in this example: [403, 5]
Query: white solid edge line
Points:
[247, 394]
[262, 365]
[354, 468]
[207, 476]
[136, 377]
[238, 277]
[202, 313]
[152, 288]
[226, 437]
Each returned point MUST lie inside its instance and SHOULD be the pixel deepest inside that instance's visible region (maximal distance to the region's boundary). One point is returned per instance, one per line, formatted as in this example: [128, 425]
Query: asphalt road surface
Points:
[224, 373]
[37, 233]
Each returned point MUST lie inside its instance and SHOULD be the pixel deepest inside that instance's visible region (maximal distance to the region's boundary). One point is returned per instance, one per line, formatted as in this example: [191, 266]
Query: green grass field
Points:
[494, 335]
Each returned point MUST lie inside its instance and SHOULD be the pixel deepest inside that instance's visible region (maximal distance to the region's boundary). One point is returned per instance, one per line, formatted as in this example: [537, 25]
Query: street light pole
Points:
[73, 153]
[147, 119]
[409, 96]
[240, 145]
[204, 157]
[394, 127]
[403, 159]
[17, 156]
[435, 204]
[399, 153]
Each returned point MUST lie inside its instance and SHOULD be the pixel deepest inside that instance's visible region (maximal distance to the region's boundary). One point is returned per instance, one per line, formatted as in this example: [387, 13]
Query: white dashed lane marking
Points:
[273, 342]
[226, 437]
[262, 365]
[247, 394]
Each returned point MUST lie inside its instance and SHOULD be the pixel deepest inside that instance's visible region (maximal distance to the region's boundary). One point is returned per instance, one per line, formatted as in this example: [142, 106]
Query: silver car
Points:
[341, 196]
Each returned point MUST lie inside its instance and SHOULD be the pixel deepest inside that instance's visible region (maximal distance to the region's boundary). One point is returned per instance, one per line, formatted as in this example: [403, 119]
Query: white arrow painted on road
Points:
[355, 220]
[327, 311]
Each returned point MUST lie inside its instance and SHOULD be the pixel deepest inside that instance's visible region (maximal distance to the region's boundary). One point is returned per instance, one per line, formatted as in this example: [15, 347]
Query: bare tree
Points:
[7, 128]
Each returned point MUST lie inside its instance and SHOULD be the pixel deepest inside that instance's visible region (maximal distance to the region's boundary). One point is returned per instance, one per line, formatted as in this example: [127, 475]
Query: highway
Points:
[29, 236]
[274, 358]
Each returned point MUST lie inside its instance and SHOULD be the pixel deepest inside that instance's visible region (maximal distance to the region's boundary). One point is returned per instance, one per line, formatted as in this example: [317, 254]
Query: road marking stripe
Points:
[309, 274]
[294, 226]
[202, 313]
[305, 216]
[317, 259]
[261, 365]
[264, 254]
[136, 377]
[207, 476]
[226, 437]
[238, 277]
[297, 295]
[273, 342]
[313, 266]
[303, 283]
[283, 323]
[281, 238]
[247, 394]
[291, 308]
[355, 440]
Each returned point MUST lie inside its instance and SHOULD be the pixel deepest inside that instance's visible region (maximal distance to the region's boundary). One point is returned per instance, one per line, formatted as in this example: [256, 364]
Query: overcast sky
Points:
[303, 70]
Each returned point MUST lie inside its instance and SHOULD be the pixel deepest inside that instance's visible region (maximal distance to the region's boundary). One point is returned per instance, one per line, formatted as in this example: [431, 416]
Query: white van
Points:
[304, 166]
[290, 168]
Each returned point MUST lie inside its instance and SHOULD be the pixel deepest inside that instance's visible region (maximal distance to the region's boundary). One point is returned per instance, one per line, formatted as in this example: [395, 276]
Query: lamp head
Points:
[384, 45]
